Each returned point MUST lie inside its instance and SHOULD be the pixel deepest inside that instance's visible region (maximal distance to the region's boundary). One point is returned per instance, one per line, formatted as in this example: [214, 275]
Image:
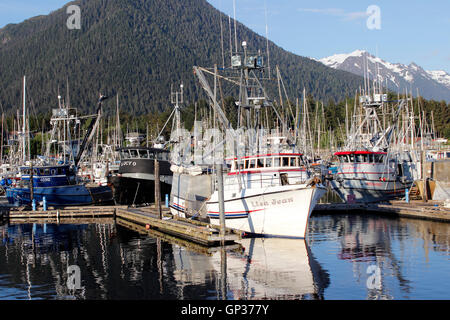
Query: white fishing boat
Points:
[270, 195]
[371, 167]
[269, 189]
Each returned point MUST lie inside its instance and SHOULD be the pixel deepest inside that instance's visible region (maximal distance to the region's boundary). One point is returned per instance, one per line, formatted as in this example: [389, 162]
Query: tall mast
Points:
[24, 121]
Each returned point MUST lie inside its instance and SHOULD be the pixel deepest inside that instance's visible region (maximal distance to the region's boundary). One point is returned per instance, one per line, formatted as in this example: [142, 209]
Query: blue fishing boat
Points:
[58, 185]
[53, 181]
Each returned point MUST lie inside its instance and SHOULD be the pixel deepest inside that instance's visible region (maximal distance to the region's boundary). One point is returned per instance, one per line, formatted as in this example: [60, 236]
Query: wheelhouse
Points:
[143, 153]
[46, 171]
[361, 157]
[281, 161]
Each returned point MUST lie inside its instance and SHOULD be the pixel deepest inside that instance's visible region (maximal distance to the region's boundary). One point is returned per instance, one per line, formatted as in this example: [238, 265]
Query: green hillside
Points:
[138, 49]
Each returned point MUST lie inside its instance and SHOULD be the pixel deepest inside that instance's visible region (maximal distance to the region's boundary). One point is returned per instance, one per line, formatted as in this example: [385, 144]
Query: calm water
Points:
[344, 257]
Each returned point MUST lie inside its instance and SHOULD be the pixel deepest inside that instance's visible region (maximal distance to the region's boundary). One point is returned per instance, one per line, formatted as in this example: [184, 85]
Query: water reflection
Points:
[271, 268]
[117, 263]
[393, 245]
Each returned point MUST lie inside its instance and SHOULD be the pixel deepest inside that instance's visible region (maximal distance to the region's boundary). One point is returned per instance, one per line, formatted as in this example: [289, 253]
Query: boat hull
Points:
[360, 191]
[189, 193]
[61, 196]
[281, 211]
[128, 191]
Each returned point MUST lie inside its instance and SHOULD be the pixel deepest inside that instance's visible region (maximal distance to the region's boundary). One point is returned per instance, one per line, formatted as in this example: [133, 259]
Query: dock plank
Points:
[199, 232]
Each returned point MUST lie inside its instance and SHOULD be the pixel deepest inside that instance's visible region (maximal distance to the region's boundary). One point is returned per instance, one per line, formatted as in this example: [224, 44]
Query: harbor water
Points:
[354, 257]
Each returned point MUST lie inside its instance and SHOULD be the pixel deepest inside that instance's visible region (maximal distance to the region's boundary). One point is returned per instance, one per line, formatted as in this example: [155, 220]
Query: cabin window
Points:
[285, 162]
[370, 158]
[47, 171]
[125, 154]
[268, 162]
[293, 162]
[143, 154]
[359, 158]
[277, 161]
[252, 163]
[245, 164]
[260, 163]
[59, 171]
[364, 156]
[134, 153]
[351, 157]
[53, 172]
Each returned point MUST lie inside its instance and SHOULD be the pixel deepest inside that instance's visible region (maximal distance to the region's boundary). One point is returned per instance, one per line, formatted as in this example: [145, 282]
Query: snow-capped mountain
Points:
[399, 77]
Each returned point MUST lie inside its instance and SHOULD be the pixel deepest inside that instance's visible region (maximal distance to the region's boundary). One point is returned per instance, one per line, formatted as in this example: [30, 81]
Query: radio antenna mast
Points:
[267, 40]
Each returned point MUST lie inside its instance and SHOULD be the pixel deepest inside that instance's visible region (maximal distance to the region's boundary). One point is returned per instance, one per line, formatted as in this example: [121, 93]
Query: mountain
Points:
[137, 48]
[399, 77]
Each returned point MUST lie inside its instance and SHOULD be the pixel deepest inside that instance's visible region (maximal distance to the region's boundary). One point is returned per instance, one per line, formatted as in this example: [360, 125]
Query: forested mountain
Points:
[137, 48]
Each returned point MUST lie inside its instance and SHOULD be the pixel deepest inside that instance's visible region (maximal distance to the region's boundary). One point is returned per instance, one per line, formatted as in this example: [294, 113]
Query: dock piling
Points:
[157, 190]
[219, 173]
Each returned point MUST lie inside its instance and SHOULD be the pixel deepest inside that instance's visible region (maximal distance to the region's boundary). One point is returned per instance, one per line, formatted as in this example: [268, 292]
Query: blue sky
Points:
[411, 31]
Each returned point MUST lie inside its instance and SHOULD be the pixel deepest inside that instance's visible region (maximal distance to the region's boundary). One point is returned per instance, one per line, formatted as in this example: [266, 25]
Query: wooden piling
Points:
[157, 190]
[424, 178]
[219, 173]
[31, 183]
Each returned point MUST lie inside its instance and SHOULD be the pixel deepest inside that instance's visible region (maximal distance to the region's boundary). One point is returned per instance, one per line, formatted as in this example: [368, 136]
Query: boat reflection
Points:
[272, 268]
[367, 239]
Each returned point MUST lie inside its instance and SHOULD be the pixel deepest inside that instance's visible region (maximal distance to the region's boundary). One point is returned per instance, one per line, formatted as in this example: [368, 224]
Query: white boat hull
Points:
[281, 211]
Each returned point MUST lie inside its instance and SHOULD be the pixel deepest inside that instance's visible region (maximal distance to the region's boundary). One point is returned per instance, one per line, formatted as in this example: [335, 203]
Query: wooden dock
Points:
[199, 232]
[72, 212]
[431, 210]
[189, 245]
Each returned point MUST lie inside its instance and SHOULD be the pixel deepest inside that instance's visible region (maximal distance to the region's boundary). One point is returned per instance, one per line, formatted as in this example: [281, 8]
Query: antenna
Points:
[235, 32]
[267, 39]
[231, 41]
[221, 36]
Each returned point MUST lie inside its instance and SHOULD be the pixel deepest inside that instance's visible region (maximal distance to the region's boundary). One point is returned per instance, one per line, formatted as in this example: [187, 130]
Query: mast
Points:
[24, 121]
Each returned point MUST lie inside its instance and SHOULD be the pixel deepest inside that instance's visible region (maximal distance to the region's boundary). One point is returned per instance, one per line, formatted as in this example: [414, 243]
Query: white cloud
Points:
[337, 12]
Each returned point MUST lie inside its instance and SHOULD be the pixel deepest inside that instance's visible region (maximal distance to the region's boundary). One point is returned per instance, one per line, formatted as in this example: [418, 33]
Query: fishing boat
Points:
[269, 189]
[268, 194]
[370, 167]
[135, 181]
[57, 186]
[53, 180]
